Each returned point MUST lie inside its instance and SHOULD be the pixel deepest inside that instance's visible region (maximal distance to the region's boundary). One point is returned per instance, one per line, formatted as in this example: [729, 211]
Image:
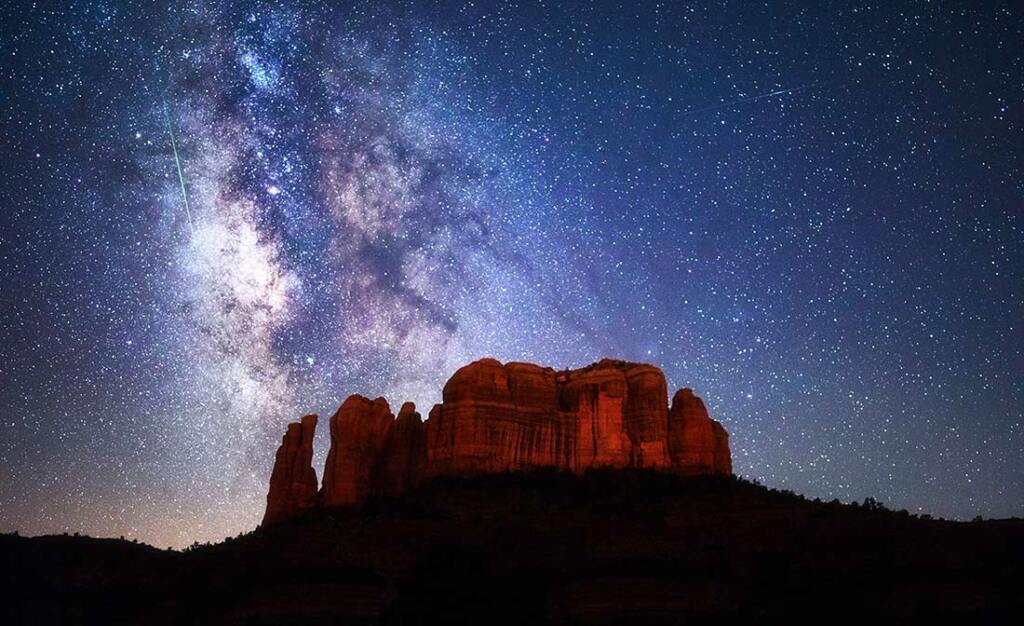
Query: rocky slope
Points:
[498, 418]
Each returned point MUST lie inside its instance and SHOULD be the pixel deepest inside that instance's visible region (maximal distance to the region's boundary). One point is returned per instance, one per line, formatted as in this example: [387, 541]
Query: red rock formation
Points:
[593, 399]
[293, 482]
[696, 443]
[646, 415]
[358, 432]
[723, 456]
[496, 418]
[403, 454]
[517, 416]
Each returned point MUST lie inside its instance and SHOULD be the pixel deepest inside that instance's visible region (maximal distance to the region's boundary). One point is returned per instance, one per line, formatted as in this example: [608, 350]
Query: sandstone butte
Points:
[498, 418]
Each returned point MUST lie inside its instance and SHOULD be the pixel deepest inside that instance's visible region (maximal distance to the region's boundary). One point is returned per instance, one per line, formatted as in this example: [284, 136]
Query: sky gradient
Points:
[811, 213]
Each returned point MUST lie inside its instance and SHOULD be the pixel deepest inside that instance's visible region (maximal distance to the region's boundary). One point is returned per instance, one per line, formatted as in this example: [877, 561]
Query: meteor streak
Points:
[177, 163]
[715, 107]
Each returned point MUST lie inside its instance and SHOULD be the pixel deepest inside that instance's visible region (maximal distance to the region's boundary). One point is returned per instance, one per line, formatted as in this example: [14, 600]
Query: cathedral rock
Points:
[497, 418]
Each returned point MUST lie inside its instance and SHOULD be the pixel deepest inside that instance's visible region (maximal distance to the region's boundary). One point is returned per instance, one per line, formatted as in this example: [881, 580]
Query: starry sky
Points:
[218, 216]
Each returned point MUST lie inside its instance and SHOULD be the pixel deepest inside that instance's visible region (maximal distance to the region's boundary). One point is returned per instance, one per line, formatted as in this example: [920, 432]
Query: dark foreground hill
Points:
[607, 547]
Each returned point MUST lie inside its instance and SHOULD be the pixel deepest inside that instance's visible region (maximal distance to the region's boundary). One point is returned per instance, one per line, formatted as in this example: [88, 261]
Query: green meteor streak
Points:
[177, 163]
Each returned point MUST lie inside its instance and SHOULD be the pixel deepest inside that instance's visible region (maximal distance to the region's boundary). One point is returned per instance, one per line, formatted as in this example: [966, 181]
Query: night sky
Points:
[811, 213]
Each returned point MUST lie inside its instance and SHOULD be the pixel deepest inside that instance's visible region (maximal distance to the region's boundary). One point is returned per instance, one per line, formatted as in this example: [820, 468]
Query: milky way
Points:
[811, 215]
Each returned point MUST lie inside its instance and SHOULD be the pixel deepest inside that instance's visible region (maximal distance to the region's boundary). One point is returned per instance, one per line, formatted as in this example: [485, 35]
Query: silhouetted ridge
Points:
[608, 546]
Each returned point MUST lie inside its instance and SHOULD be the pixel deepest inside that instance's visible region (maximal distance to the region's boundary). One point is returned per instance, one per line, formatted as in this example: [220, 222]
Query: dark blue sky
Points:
[809, 212]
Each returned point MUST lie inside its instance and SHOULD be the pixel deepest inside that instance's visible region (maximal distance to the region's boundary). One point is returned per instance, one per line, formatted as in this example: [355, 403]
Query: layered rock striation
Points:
[497, 418]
